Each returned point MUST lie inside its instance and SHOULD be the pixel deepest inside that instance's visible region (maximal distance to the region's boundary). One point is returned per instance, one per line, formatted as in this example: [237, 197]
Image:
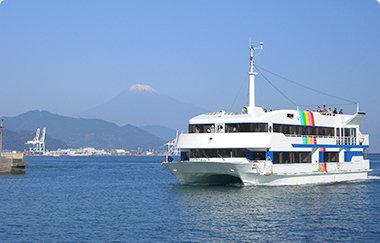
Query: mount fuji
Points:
[141, 105]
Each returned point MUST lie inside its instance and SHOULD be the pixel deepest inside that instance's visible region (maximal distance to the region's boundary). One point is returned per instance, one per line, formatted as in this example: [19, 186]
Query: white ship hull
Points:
[246, 173]
[279, 147]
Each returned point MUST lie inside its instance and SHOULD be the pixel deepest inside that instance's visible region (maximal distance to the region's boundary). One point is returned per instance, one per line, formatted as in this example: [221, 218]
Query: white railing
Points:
[172, 149]
[346, 140]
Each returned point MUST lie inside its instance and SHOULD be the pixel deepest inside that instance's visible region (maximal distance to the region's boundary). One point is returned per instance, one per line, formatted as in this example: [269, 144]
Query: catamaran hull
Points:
[219, 173]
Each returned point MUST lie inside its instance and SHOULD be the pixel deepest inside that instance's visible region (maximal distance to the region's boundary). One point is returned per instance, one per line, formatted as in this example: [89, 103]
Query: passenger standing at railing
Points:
[324, 109]
[341, 111]
[319, 109]
[335, 111]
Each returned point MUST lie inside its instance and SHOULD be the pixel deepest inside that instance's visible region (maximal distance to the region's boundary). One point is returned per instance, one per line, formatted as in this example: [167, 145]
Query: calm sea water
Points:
[134, 199]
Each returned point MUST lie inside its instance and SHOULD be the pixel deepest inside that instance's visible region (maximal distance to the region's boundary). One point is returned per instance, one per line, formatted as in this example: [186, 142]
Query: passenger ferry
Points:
[281, 147]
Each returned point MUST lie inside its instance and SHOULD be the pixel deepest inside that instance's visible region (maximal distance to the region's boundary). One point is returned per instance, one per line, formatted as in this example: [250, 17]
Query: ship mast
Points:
[252, 74]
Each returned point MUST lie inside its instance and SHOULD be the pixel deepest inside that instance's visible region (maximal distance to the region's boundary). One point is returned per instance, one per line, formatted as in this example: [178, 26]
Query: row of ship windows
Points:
[228, 127]
[278, 157]
[303, 130]
[296, 130]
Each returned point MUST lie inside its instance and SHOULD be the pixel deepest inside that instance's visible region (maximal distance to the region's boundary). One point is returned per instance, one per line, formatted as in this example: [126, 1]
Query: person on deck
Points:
[324, 109]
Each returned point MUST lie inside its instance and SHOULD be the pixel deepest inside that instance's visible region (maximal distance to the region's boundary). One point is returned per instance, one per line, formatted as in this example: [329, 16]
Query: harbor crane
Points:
[37, 145]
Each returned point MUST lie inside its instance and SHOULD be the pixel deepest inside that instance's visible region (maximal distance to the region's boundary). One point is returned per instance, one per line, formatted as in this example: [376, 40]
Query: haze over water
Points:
[135, 199]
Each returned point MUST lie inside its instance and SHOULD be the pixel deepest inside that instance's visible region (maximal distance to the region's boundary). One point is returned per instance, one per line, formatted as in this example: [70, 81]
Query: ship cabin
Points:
[282, 136]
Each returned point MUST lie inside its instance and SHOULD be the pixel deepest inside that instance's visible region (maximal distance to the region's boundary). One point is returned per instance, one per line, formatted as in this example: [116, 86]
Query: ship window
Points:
[331, 157]
[259, 155]
[308, 130]
[277, 128]
[218, 153]
[286, 158]
[231, 127]
[293, 130]
[260, 127]
[304, 157]
[347, 132]
[319, 131]
[184, 156]
[246, 127]
[299, 130]
[303, 130]
[285, 129]
[291, 157]
[329, 131]
[201, 128]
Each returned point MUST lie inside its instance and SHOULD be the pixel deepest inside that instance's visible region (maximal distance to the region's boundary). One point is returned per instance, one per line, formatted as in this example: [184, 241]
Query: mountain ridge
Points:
[84, 132]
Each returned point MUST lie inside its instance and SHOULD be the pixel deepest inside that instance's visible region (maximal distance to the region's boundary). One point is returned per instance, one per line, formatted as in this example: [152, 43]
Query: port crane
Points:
[37, 145]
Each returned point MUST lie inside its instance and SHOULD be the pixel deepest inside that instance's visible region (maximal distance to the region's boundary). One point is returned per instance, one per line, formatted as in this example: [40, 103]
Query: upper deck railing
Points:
[346, 141]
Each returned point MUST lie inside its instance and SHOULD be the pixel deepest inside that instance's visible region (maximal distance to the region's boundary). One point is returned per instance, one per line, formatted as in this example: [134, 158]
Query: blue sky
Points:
[70, 55]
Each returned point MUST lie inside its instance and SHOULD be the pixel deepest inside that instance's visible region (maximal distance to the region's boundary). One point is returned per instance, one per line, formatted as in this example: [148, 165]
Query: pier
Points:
[12, 163]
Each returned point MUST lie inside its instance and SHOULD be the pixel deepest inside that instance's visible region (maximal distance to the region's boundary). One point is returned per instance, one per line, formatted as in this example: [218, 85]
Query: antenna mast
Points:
[252, 74]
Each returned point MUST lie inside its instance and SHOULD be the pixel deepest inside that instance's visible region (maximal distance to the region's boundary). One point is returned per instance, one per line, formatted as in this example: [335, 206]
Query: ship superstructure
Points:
[281, 147]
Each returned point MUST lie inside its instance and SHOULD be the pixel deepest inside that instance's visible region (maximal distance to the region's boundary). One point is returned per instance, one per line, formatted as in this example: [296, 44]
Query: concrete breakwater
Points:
[12, 163]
